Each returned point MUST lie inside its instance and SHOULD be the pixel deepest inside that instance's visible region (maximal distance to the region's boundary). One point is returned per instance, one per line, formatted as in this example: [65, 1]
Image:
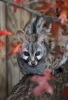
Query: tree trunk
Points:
[22, 91]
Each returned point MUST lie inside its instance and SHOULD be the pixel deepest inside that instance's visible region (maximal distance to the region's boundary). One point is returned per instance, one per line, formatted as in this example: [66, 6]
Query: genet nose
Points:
[33, 62]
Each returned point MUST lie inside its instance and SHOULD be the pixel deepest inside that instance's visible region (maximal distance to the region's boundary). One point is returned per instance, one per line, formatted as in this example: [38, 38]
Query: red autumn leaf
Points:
[63, 15]
[1, 45]
[15, 49]
[58, 1]
[52, 6]
[4, 32]
[44, 5]
[54, 31]
[62, 6]
[17, 2]
[65, 92]
[42, 84]
[57, 50]
[64, 3]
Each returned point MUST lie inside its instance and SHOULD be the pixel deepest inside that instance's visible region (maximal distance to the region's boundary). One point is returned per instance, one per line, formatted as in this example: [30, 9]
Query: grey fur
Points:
[33, 38]
[26, 69]
[32, 48]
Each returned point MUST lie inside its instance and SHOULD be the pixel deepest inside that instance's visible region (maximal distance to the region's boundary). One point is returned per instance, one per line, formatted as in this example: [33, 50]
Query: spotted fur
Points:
[36, 32]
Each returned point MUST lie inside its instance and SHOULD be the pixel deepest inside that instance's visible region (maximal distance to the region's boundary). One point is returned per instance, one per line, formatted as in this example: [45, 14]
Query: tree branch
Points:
[51, 18]
[31, 2]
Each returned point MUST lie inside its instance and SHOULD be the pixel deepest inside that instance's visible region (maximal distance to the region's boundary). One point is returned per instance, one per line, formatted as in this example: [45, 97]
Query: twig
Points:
[22, 7]
[31, 2]
[30, 10]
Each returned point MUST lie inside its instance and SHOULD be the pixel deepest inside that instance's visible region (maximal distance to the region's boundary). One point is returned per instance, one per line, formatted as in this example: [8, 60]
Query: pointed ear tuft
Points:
[21, 37]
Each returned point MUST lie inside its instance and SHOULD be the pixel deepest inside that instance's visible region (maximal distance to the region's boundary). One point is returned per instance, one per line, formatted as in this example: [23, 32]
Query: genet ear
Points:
[21, 37]
[41, 37]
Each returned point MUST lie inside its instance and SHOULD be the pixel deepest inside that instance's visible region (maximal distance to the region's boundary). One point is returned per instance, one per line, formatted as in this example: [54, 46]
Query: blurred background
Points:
[9, 70]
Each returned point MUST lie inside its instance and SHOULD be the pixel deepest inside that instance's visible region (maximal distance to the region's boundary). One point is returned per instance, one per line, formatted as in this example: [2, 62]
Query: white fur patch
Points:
[39, 57]
[25, 57]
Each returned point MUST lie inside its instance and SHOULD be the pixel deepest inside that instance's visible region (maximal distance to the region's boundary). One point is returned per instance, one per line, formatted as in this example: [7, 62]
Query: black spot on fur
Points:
[35, 25]
[56, 71]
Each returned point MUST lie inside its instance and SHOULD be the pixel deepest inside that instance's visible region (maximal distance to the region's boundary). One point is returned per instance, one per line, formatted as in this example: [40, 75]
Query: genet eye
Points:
[37, 53]
[26, 53]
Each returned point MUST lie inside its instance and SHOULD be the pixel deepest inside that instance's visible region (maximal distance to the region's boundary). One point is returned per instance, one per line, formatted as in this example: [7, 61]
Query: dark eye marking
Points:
[26, 53]
[37, 53]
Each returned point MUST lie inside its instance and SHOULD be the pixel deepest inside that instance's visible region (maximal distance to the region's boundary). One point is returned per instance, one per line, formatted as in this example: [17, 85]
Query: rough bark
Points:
[22, 91]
